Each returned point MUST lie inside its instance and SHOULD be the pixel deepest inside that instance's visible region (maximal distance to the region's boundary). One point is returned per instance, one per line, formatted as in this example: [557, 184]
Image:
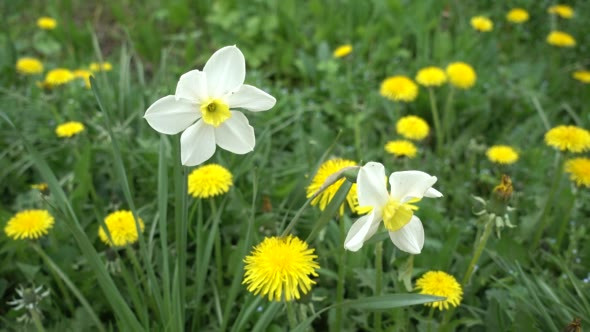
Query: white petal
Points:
[226, 71]
[409, 238]
[371, 185]
[236, 134]
[170, 116]
[433, 193]
[410, 184]
[251, 98]
[197, 144]
[361, 230]
[192, 86]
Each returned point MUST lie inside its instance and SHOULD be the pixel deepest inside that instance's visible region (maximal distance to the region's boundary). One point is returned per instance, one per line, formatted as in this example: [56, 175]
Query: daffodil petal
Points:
[409, 238]
[433, 193]
[236, 134]
[192, 86]
[251, 98]
[225, 70]
[371, 186]
[169, 115]
[409, 185]
[197, 144]
[360, 231]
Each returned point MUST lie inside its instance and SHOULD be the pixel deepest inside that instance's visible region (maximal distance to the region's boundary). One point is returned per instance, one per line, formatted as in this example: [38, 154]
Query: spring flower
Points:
[461, 75]
[29, 299]
[563, 11]
[579, 170]
[121, 226]
[401, 148]
[209, 181]
[57, 77]
[85, 75]
[29, 224]
[395, 209]
[561, 39]
[69, 129]
[482, 23]
[517, 16]
[342, 51]
[280, 268]
[46, 23]
[502, 154]
[431, 76]
[40, 186]
[412, 127]
[439, 283]
[582, 76]
[568, 138]
[202, 108]
[327, 169]
[100, 66]
[399, 88]
[29, 66]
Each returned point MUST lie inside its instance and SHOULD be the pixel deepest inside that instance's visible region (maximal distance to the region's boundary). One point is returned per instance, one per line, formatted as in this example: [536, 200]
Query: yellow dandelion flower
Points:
[582, 76]
[563, 11]
[568, 138]
[561, 39]
[461, 75]
[280, 268]
[29, 66]
[579, 170]
[431, 76]
[58, 76]
[342, 51]
[401, 148]
[100, 66]
[502, 154]
[29, 224]
[69, 129]
[517, 15]
[209, 181]
[121, 226]
[85, 75]
[482, 23]
[46, 23]
[399, 88]
[439, 283]
[412, 127]
[40, 186]
[325, 170]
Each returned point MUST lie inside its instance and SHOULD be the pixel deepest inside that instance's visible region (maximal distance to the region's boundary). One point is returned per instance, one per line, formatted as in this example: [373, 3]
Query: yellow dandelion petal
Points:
[46, 23]
[121, 226]
[568, 138]
[280, 268]
[399, 88]
[100, 66]
[582, 76]
[431, 77]
[40, 186]
[561, 39]
[412, 127]
[342, 51]
[563, 11]
[517, 16]
[439, 283]
[579, 171]
[29, 66]
[325, 170]
[401, 148]
[482, 23]
[502, 154]
[69, 129]
[58, 76]
[29, 224]
[85, 75]
[209, 181]
[461, 75]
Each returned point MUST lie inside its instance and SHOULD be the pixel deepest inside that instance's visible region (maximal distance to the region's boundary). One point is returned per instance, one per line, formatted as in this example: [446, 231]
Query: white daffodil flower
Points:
[396, 208]
[203, 108]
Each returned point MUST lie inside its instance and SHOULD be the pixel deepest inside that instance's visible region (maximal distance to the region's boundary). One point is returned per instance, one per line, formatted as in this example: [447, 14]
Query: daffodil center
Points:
[396, 215]
[215, 112]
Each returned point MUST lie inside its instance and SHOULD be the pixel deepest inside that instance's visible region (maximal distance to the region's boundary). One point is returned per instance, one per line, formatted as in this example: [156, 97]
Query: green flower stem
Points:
[543, 218]
[436, 119]
[480, 244]
[378, 280]
[291, 314]
[341, 276]
[36, 320]
[565, 222]
[449, 113]
[430, 317]
[218, 252]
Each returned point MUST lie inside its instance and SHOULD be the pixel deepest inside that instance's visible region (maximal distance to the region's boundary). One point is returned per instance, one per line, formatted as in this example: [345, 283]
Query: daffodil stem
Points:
[436, 120]
[543, 218]
[565, 222]
[480, 245]
[341, 276]
[291, 314]
[378, 280]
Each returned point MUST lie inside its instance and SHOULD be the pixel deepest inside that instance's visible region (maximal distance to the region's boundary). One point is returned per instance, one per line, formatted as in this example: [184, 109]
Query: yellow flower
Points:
[325, 170]
[502, 154]
[209, 181]
[564, 11]
[561, 39]
[342, 51]
[582, 76]
[401, 148]
[568, 138]
[461, 75]
[46, 23]
[121, 226]
[29, 224]
[399, 88]
[579, 169]
[29, 66]
[103, 66]
[58, 76]
[69, 129]
[85, 75]
[517, 15]
[280, 268]
[39, 186]
[431, 76]
[439, 283]
[482, 23]
[412, 127]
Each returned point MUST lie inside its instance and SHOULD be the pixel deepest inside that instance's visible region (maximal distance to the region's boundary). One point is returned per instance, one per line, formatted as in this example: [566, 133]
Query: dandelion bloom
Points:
[85, 75]
[209, 181]
[412, 127]
[395, 209]
[439, 283]
[431, 76]
[461, 75]
[401, 148]
[121, 226]
[482, 23]
[563, 11]
[568, 138]
[100, 66]
[502, 154]
[280, 268]
[58, 76]
[579, 170]
[399, 88]
[327, 169]
[29, 66]
[342, 51]
[40, 186]
[202, 108]
[46, 23]
[29, 224]
[69, 129]
[561, 39]
[582, 76]
[517, 15]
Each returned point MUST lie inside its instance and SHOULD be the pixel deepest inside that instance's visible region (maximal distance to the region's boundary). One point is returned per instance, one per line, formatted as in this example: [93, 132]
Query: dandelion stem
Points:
[36, 320]
[565, 221]
[543, 218]
[341, 275]
[449, 113]
[480, 244]
[378, 280]
[430, 317]
[436, 120]
[291, 315]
